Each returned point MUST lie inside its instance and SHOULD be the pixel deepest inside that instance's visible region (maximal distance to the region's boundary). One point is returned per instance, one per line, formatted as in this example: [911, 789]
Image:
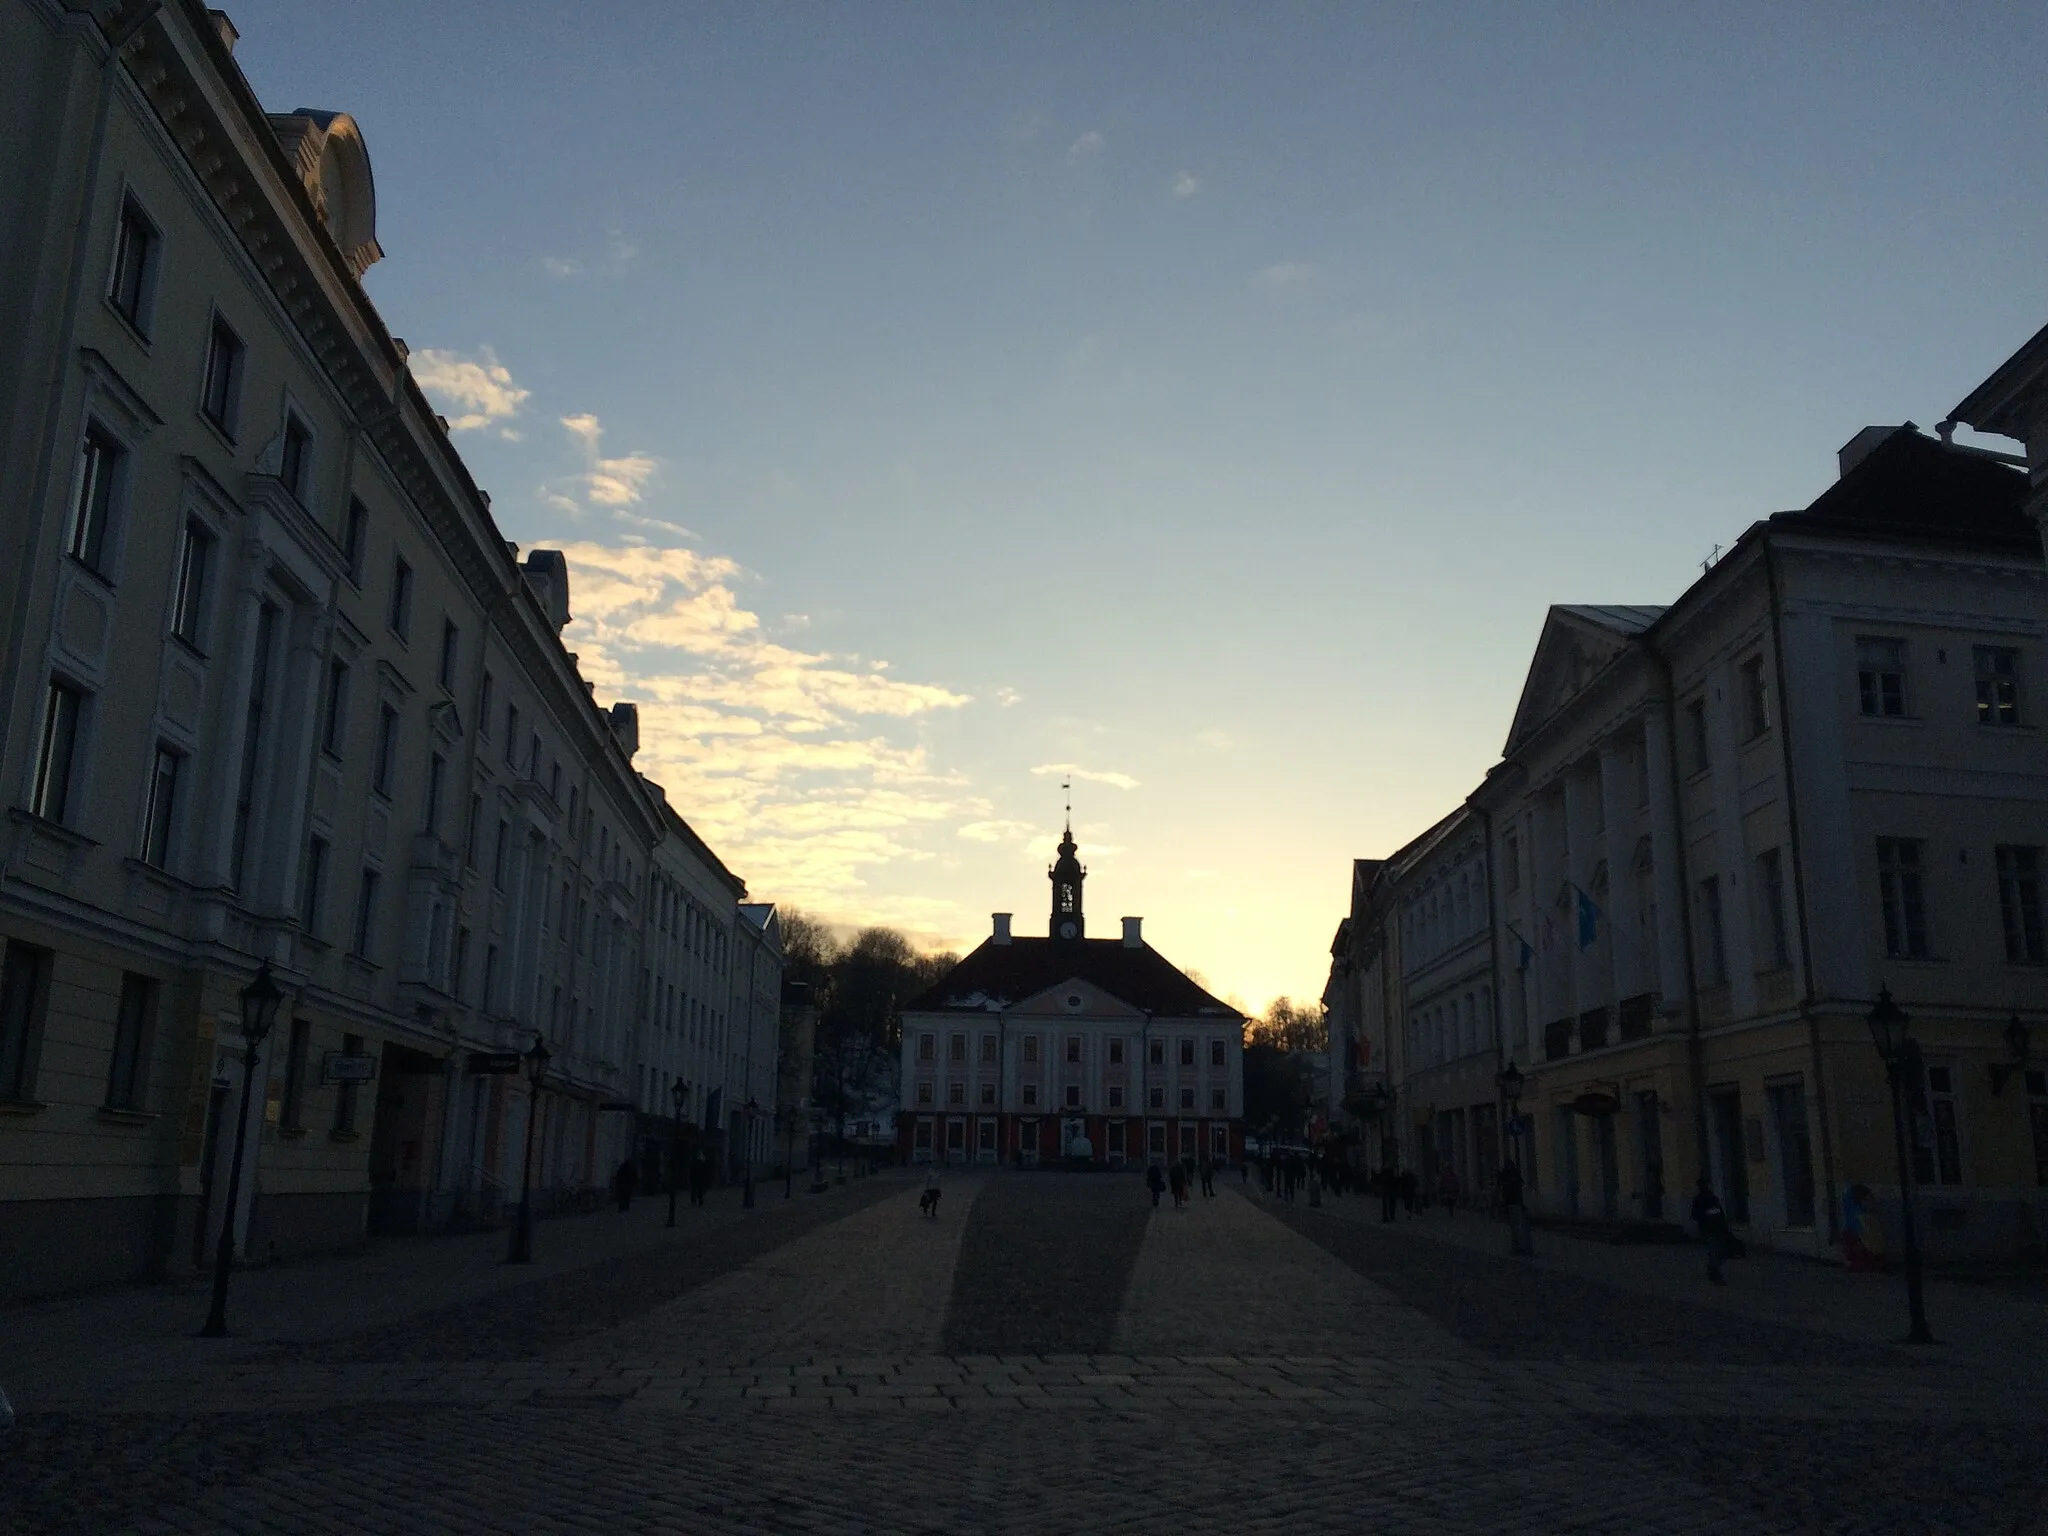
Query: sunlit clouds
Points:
[1089, 775]
[1184, 186]
[480, 389]
[608, 482]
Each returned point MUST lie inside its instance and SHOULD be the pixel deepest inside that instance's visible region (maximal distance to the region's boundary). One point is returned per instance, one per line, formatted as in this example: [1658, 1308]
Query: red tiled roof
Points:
[998, 975]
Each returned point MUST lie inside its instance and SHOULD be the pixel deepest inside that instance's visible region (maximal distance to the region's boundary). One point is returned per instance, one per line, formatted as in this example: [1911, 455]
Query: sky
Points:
[1199, 402]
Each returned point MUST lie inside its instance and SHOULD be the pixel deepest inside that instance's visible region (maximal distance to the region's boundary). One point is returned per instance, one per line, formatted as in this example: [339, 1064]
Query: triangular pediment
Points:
[1577, 643]
[1075, 999]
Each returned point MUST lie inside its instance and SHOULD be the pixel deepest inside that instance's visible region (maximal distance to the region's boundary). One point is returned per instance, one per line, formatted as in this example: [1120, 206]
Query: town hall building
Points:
[1086, 1051]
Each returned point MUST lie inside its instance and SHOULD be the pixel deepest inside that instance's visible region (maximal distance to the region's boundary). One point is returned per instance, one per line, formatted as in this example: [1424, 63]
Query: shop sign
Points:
[344, 1068]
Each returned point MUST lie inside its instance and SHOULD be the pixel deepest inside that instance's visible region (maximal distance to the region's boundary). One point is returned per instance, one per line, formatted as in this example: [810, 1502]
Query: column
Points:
[1664, 860]
[1623, 941]
[1581, 845]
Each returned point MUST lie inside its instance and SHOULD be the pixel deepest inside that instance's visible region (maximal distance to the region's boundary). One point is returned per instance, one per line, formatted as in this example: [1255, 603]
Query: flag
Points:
[1523, 953]
[1589, 920]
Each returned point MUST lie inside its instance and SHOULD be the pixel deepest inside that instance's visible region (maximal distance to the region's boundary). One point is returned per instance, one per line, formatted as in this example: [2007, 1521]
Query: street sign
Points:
[493, 1063]
[342, 1068]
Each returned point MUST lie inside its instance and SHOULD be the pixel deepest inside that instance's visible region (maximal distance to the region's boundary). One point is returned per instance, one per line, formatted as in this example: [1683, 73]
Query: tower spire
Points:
[1068, 921]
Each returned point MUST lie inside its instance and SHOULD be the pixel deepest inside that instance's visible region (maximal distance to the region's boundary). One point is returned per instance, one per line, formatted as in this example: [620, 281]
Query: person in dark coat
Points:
[1177, 1176]
[624, 1182]
[1155, 1180]
[1711, 1218]
[1207, 1170]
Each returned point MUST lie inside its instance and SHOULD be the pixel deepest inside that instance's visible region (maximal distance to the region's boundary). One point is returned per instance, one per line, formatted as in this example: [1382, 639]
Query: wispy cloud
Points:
[1088, 775]
[1008, 696]
[999, 831]
[560, 266]
[479, 390]
[616, 482]
[620, 251]
[1089, 144]
[1185, 185]
[801, 766]
[1284, 274]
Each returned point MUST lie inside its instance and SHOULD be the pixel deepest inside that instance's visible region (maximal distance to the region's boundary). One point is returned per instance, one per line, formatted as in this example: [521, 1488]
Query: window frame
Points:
[362, 928]
[99, 494]
[127, 1085]
[355, 540]
[56, 787]
[451, 645]
[139, 312]
[295, 455]
[1756, 699]
[25, 973]
[227, 419]
[1878, 688]
[1989, 710]
[1902, 898]
[313, 886]
[160, 807]
[384, 765]
[191, 596]
[398, 616]
[2021, 921]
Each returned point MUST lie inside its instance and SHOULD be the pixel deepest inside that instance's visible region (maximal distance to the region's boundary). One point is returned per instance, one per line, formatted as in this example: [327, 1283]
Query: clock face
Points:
[1068, 930]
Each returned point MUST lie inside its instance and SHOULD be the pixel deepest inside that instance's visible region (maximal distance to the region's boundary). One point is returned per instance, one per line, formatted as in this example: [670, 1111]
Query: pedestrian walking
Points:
[1711, 1218]
[624, 1182]
[1507, 1188]
[1390, 1193]
[928, 1202]
[1177, 1176]
[1207, 1169]
[700, 1176]
[1155, 1180]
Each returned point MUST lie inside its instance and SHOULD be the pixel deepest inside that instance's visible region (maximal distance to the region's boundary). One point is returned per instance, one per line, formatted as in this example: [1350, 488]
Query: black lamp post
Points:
[1901, 1054]
[679, 1094]
[260, 1001]
[747, 1152]
[522, 1230]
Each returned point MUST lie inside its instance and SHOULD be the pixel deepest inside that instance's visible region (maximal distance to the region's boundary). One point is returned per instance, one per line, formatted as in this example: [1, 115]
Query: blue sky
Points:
[1208, 399]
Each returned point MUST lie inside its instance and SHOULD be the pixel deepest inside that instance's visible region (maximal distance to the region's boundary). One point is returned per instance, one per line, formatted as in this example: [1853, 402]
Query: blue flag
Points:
[1589, 920]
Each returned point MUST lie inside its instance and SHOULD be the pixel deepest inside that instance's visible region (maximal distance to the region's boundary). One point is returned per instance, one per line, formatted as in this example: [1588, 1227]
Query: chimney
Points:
[547, 572]
[229, 34]
[1133, 938]
[625, 724]
[1859, 447]
[1002, 920]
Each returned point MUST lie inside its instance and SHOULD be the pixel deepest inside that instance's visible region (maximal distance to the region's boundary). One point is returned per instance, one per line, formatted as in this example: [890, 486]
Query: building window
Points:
[476, 812]
[1116, 1095]
[437, 770]
[927, 1047]
[1902, 897]
[1998, 685]
[1777, 945]
[1756, 699]
[1030, 1095]
[133, 1019]
[2019, 903]
[1216, 1099]
[334, 718]
[483, 731]
[498, 854]
[956, 1093]
[131, 284]
[101, 460]
[1187, 1098]
[1157, 1098]
[451, 646]
[1157, 1053]
[387, 750]
[401, 598]
[24, 1005]
[1511, 858]
[355, 537]
[295, 461]
[1216, 1053]
[1881, 675]
[161, 807]
[221, 397]
[1937, 1131]
[956, 1048]
[291, 1112]
[1795, 1151]
[1714, 934]
[488, 992]
[249, 785]
[1696, 734]
[1073, 1096]
[188, 609]
[1074, 1049]
[1187, 1053]
[313, 887]
[1031, 1048]
[366, 916]
[1116, 1052]
[988, 1095]
[988, 1049]
[345, 1092]
[512, 737]
[57, 752]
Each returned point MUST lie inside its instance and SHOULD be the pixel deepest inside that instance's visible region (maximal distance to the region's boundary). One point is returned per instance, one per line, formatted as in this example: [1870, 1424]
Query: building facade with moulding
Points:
[1720, 827]
[1066, 1048]
[275, 690]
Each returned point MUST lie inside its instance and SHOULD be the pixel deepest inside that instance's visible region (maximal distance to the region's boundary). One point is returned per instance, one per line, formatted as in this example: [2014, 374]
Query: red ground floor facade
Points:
[1113, 1141]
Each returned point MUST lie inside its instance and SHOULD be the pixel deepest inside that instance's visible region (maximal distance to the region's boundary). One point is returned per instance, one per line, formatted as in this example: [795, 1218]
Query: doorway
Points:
[1725, 1112]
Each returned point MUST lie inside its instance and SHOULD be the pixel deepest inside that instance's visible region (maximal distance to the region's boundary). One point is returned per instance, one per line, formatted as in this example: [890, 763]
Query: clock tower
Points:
[1067, 875]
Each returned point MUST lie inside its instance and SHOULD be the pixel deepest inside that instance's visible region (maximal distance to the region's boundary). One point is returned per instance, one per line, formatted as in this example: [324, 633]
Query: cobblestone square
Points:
[1051, 1354]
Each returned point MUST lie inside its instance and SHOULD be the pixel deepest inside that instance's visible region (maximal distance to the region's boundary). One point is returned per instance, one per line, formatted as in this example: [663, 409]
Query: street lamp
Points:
[260, 1001]
[679, 1095]
[522, 1230]
[747, 1151]
[1901, 1054]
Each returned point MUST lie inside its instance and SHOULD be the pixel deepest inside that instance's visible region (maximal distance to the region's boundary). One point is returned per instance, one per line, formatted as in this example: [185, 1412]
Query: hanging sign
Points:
[341, 1067]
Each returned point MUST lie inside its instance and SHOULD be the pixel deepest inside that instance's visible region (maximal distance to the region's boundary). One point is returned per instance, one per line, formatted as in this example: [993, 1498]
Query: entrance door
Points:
[956, 1141]
[1725, 1110]
[1610, 1166]
[1795, 1151]
[1564, 1127]
[1156, 1141]
[985, 1141]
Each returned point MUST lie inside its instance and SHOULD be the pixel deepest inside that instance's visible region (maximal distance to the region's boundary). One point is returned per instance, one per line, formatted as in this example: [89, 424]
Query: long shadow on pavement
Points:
[1044, 1262]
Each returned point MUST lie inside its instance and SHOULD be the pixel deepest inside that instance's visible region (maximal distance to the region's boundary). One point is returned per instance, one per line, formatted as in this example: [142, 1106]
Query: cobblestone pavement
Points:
[1239, 1366]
